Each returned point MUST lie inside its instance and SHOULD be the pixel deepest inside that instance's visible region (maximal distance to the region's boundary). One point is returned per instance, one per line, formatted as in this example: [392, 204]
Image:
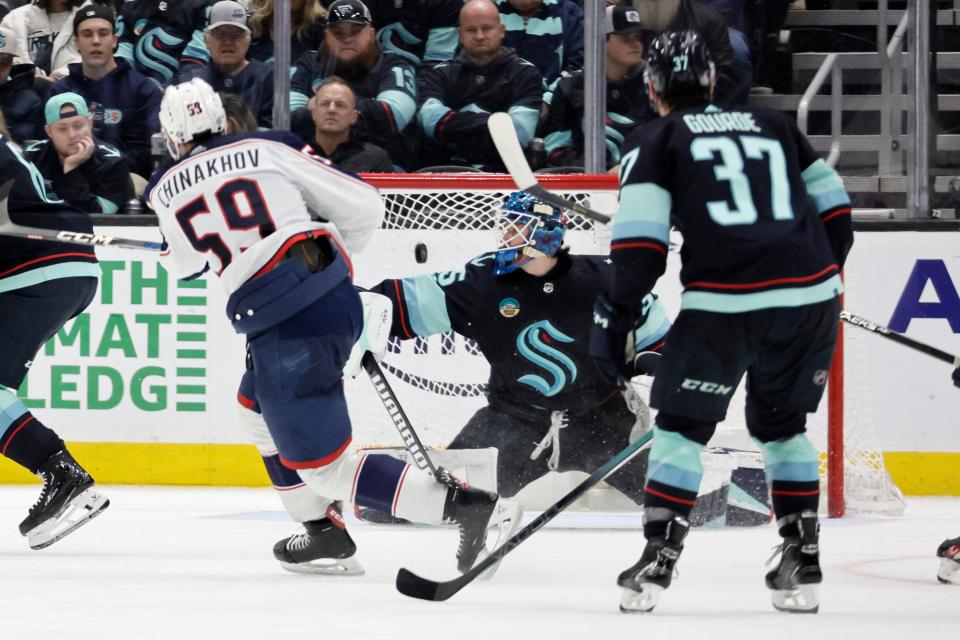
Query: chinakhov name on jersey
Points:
[192, 175]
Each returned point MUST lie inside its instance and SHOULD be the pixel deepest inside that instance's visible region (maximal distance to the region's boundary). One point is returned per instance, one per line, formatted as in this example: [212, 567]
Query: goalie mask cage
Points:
[436, 223]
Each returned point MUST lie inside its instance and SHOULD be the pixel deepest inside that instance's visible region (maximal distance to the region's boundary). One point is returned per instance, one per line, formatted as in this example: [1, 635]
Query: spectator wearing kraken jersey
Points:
[160, 37]
[627, 104]
[528, 306]
[766, 230]
[458, 96]
[548, 33]
[90, 175]
[422, 31]
[383, 82]
[124, 104]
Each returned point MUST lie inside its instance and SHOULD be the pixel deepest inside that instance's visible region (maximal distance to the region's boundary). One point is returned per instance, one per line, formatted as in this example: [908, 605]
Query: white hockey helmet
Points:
[188, 111]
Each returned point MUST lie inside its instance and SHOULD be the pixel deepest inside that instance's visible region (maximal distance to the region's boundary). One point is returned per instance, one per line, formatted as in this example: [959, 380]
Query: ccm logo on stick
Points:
[85, 237]
[706, 387]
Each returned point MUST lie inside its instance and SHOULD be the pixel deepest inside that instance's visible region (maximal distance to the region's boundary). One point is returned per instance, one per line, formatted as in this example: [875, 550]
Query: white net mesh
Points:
[437, 225]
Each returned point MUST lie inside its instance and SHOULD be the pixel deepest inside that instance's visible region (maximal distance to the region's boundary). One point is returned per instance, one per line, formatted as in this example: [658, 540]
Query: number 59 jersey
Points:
[235, 204]
[765, 221]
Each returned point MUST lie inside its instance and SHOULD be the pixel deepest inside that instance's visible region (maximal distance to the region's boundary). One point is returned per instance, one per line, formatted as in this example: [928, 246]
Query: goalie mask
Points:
[189, 111]
[527, 228]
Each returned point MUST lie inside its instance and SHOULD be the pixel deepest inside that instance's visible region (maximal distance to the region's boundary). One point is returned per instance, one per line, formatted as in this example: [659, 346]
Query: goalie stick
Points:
[504, 136]
[410, 584]
[9, 228]
[873, 327]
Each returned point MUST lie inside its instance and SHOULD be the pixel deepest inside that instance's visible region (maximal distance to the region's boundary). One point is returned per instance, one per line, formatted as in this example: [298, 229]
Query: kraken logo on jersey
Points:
[531, 345]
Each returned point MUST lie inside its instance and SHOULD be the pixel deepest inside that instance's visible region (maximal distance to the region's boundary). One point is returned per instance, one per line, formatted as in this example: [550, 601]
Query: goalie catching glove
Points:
[625, 344]
[377, 317]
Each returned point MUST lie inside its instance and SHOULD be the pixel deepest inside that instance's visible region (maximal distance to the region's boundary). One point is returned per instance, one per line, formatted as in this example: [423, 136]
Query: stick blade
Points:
[504, 136]
[413, 586]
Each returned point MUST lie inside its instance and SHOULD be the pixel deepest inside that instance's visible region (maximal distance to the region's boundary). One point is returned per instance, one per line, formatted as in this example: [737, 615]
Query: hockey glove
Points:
[608, 339]
[956, 377]
[377, 317]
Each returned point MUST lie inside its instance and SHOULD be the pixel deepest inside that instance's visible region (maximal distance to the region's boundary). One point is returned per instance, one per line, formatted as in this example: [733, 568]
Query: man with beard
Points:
[459, 96]
[382, 81]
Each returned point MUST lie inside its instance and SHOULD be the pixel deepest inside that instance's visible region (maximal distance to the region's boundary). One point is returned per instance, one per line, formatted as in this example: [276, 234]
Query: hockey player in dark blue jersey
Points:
[42, 286]
[766, 227]
[528, 307]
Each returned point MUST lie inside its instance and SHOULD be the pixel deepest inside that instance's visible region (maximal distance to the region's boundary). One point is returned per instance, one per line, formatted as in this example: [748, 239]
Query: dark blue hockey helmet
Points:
[679, 64]
[527, 228]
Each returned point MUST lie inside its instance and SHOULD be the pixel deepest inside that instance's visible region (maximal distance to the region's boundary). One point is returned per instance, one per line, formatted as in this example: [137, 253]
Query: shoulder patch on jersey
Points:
[509, 307]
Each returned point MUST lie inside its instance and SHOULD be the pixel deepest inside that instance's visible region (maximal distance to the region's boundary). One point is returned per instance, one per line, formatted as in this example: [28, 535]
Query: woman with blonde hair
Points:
[306, 28]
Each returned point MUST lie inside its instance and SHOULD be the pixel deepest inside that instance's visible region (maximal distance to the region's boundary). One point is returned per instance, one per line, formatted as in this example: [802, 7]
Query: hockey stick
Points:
[873, 327]
[508, 146]
[400, 420]
[410, 584]
[9, 228]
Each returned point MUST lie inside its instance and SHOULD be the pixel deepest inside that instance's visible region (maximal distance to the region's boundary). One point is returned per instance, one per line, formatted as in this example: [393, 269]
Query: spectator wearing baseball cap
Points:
[227, 38]
[90, 175]
[627, 104]
[382, 81]
[19, 100]
[43, 33]
[123, 103]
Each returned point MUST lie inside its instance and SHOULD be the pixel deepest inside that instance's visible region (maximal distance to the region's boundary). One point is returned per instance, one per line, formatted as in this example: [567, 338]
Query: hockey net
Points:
[436, 223]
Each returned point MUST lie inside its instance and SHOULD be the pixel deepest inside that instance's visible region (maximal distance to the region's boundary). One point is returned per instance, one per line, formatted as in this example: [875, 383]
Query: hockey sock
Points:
[673, 479]
[793, 473]
[302, 504]
[390, 486]
[25, 439]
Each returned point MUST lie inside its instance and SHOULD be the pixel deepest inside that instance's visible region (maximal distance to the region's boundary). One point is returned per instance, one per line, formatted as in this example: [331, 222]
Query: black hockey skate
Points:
[949, 554]
[324, 547]
[471, 509]
[645, 581]
[67, 501]
[794, 581]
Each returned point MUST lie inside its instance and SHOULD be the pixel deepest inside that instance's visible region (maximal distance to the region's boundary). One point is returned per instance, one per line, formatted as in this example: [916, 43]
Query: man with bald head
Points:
[458, 96]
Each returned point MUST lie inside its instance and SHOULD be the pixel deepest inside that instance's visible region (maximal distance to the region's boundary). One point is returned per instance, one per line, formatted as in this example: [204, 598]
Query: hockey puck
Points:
[420, 253]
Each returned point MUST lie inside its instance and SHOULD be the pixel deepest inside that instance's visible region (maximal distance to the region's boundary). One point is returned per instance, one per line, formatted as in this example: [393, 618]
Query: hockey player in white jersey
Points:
[276, 223]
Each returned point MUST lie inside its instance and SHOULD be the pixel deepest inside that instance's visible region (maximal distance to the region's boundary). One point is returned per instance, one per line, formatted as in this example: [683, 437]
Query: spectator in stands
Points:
[686, 15]
[732, 12]
[43, 36]
[158, 38]
[124, 103]
[89, 174]
[227, 38]
[239, 116]
[334, 111]
[424, 32]
[547, 33]
[766, 19]
[383, 82]
[19, 101]
[306, 29]
[627, 103]
[459, 96]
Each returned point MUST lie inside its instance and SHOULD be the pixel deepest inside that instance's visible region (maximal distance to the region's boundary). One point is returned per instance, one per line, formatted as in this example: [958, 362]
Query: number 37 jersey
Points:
[235, 205]
[765, 221]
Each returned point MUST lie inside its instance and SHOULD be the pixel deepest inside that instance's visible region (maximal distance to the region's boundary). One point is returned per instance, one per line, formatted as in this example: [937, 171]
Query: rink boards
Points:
[143, 384]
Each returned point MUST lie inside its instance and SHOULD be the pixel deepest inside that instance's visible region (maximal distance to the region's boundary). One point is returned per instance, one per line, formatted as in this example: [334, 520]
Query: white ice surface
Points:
[197, 563]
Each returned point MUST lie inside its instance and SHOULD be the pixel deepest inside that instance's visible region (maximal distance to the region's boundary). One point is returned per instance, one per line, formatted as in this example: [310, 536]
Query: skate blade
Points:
[76, 513]
[642, 601]
[949, 572]
[507, 519]
[803, 599]
[326, 566]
